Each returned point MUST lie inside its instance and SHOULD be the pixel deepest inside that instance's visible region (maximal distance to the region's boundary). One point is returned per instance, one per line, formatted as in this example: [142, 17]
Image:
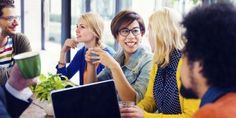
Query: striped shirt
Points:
[6, 56]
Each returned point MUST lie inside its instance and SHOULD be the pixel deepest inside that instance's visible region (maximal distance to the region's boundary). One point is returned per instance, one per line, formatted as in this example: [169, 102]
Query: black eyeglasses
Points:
[125, 31]
[10, 18]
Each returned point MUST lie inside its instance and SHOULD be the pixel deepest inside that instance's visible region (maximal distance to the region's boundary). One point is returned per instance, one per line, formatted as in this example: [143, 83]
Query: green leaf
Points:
[50, 83]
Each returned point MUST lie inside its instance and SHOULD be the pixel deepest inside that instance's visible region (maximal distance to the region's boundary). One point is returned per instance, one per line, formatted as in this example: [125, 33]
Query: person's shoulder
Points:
[222, 108]
[227, 101]
[81, 51]
[205, 111]
[145, 53]
[19, 37]
[210, 110]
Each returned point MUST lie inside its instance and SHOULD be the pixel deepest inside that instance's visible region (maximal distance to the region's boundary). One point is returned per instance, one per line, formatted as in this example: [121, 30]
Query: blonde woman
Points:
[162, 98]
[89, 31]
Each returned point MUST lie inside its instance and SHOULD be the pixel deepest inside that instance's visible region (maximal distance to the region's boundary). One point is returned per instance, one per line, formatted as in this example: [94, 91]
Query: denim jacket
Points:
[137, 70]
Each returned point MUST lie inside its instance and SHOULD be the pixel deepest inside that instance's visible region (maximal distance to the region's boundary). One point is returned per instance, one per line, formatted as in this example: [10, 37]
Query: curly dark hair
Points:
[6, 4]
[211, 35]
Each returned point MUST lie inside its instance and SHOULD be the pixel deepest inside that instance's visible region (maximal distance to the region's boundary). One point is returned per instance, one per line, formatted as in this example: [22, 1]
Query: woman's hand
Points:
[132, 112]
[97, 55]
[88, 56]
[69, 43]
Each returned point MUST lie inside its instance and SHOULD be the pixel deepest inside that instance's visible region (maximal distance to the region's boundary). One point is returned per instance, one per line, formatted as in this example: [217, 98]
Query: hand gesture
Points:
[88, 56]
[69, 43]
[101, 57]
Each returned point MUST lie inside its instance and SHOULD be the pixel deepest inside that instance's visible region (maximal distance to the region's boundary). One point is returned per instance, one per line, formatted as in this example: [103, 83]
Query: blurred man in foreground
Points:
[15, 94]
[209, 59]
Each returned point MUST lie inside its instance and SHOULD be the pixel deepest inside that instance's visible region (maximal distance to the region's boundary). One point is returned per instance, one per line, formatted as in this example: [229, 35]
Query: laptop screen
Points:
[96, 100]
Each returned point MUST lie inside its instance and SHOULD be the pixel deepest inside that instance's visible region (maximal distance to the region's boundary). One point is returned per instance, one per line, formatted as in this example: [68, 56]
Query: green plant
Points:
[195, 1]
[49, 83]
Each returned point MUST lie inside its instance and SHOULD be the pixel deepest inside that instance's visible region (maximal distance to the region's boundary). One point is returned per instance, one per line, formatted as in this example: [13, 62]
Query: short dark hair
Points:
[211, 35]
[125, 18]
[6, 4]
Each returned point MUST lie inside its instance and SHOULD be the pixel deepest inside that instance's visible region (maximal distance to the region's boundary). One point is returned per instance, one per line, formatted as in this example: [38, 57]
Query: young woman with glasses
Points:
[131, 65]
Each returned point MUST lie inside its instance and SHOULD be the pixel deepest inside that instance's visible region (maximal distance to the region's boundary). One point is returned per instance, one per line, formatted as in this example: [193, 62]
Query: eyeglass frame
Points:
[10, 18]
[130, 30]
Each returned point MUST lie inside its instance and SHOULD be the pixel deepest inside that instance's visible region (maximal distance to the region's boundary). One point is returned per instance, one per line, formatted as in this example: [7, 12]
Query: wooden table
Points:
[36, 110]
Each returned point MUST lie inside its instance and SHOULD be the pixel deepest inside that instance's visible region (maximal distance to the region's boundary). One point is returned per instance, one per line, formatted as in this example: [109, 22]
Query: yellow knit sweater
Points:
[188, 106]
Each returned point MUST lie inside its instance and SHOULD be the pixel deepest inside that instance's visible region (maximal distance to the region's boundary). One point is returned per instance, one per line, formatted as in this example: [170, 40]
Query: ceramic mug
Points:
[29, 64]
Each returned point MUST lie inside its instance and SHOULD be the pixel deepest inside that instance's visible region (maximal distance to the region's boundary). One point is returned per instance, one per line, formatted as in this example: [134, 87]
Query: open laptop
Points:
[96, 100]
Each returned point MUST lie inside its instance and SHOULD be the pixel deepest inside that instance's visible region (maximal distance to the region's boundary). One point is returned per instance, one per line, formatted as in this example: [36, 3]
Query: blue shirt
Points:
[213, 94]
[136, 71]
[78, 63]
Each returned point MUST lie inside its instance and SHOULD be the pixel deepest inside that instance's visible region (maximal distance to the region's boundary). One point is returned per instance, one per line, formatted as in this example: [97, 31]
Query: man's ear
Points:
[198, 71]
[198, 67]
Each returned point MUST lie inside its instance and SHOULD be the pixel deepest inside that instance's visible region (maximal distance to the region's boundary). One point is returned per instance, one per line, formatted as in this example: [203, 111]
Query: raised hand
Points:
[69, 43]
[17, 81]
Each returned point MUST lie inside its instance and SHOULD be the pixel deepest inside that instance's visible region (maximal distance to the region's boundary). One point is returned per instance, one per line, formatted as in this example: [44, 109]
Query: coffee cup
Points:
[29, 64]
[94, 55]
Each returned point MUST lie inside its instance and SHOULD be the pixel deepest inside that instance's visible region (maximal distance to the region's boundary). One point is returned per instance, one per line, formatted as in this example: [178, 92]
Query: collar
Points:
[84, 49]
[213, 94]
[133, 60]
[7, 40]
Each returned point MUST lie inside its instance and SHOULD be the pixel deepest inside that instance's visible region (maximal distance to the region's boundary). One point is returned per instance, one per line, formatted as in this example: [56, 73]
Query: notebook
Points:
[96, 100]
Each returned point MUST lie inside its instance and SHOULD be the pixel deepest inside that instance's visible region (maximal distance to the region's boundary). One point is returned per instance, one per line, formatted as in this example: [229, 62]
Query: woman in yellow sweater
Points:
[163, 98]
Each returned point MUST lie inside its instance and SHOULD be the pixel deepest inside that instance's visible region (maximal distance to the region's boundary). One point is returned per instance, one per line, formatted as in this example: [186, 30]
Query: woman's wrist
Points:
[63, 52]
[61, 63]
[113, 65]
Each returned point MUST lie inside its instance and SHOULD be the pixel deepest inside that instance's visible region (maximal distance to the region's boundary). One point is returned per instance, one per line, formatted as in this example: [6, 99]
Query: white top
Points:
[24, 95]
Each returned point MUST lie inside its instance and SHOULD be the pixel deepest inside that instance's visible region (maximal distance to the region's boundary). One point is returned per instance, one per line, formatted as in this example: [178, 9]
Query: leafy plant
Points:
[48, 84]
[195, 1]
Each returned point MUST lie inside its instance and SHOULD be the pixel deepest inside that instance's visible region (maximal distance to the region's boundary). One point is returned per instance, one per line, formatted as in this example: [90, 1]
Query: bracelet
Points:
[60, 63]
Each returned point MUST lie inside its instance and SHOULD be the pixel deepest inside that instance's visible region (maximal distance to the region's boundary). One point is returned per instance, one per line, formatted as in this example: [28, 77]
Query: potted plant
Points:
[47, 84]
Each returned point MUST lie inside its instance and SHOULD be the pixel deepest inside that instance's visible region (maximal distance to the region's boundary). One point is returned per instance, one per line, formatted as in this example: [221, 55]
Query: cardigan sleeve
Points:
[77, 64]
[188, 106]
